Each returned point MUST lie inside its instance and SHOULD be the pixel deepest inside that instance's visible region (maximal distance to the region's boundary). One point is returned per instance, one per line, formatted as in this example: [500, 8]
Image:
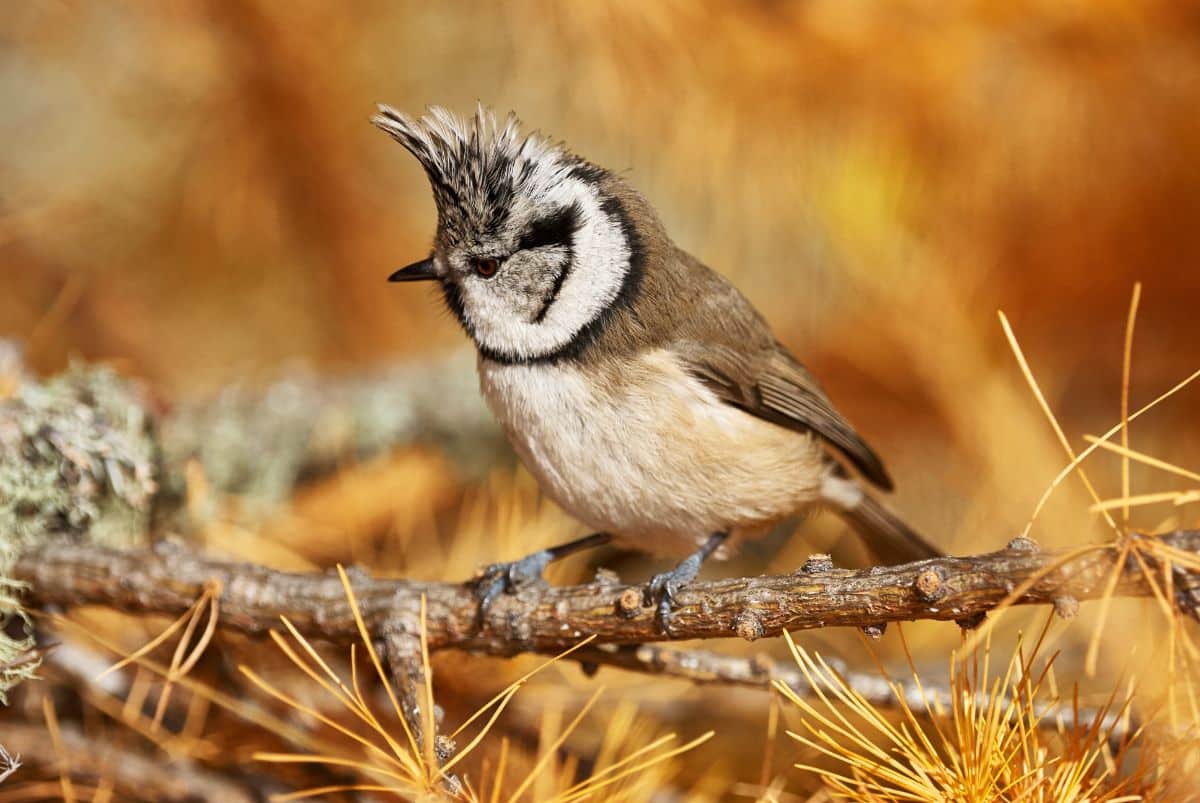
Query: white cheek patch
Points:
[600, 260]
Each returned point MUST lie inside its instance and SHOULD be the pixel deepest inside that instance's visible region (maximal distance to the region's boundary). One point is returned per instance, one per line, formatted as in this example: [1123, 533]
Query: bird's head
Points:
[534, 245]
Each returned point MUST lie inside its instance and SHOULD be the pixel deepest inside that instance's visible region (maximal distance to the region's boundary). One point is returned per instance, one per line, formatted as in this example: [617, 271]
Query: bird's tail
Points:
[890, 540]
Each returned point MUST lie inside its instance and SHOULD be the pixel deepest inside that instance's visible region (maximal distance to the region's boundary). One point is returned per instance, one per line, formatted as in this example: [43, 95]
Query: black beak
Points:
[417, 272]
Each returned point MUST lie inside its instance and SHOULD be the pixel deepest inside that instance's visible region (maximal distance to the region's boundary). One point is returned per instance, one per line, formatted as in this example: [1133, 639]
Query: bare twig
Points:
[129, 770]
[8, 763]
[755, 672]
[760, 672]
[167, 579]
[402, 651]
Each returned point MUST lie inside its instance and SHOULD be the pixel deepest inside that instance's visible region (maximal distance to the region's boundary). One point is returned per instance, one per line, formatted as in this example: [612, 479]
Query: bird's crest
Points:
[477, 165]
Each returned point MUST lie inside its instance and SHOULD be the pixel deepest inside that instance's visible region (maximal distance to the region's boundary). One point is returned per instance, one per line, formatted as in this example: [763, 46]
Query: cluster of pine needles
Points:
[1011, 736]
[410, 768]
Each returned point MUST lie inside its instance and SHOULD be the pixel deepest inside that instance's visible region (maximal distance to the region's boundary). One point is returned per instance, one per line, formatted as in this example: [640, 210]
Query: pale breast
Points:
[645, 451]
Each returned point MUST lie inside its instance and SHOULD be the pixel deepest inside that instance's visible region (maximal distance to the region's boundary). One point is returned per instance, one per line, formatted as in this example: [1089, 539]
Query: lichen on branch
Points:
[78, 459]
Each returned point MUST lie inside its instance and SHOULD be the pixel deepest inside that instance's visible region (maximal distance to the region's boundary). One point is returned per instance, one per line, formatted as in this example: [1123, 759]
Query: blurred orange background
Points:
[192, 191]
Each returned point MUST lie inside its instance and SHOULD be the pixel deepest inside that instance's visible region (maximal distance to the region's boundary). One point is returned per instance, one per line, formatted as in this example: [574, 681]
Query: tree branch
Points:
[756, 672]
[167, 579]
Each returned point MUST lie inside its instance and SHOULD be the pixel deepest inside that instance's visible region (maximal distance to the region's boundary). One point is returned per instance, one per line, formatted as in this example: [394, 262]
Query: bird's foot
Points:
[663, 589]
[508, 578]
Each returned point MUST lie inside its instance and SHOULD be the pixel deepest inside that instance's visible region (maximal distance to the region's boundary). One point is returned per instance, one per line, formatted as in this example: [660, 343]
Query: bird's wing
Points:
[774, 386]
[722, 339]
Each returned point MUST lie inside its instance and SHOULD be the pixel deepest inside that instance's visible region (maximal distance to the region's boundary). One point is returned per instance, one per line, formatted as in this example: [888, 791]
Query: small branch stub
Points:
[817, 564]
[973, 621]
[748, 626]
[875, 631]
[1066, 606]
[929, 585]
[629, 604]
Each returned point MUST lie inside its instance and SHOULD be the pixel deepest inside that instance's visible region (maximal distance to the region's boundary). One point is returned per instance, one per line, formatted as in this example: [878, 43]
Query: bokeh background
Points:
[192, 192]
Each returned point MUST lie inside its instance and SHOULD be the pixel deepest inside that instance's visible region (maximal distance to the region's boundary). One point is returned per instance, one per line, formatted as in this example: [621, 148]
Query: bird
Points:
[643, 391]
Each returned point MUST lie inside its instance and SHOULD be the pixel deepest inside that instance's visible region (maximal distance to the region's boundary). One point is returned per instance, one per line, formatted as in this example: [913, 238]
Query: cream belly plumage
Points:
[650, 454]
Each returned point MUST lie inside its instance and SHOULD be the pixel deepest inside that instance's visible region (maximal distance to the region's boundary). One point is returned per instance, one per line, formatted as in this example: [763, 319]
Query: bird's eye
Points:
[486, 267]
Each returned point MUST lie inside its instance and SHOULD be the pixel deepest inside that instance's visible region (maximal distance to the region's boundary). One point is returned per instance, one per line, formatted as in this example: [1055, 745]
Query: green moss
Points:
[78, 458]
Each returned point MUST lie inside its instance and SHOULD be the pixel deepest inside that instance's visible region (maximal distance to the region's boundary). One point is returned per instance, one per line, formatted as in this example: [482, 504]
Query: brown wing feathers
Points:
[796, 396]
[780, 390]
[726, 343]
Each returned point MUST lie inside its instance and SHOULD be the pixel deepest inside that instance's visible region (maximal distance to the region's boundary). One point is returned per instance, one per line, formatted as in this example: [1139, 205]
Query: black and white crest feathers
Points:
[477, 166]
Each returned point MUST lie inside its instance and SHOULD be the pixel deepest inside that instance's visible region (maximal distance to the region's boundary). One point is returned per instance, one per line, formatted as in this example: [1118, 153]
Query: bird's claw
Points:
[507, 578]
[663, 589]
[660, 592]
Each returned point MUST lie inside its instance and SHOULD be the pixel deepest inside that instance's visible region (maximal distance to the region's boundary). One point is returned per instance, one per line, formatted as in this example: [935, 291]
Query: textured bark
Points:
[166, 579]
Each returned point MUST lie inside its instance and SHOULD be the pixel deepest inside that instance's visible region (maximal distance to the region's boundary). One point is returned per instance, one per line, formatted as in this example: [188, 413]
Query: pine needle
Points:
[60, 754]
[1142, 457]
[1041, 400]
[548, 753]
[1126, 366]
